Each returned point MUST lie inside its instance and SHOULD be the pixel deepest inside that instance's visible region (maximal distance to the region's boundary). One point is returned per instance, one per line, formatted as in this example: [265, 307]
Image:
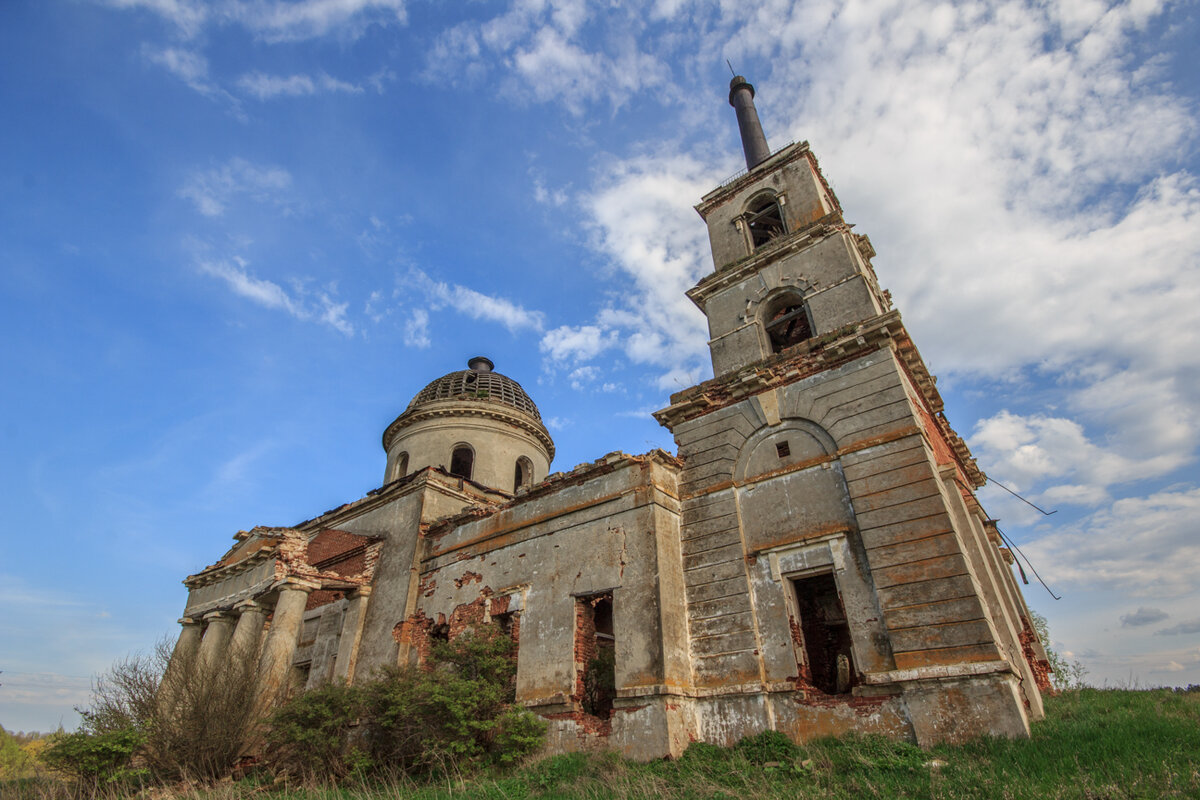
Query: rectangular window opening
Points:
[822, 635]
[595, 654]
[510, 626]
[783, 449]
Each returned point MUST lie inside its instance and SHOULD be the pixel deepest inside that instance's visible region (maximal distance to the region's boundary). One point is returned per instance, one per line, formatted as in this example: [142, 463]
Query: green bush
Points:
[518, 733]
[455, 711]
[96, 757]
[310, 735]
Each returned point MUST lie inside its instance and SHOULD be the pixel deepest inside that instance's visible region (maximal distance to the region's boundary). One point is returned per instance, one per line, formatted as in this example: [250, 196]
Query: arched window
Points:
[400, 467]
[786, 322]
[523, 473]
[462, 461]
[764, 220]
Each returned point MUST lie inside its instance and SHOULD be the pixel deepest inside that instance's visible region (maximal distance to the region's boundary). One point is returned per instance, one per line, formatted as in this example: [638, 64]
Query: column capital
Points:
[296, 583]
[185, 621]
[248, 605]
[215, 615]
[361, 591]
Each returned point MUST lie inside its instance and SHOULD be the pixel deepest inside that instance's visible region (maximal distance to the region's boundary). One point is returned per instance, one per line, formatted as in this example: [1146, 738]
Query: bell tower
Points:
[835, 556]
[788, 269]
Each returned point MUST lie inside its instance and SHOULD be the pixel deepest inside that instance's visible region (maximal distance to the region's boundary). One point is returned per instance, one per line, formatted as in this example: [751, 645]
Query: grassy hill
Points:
[1094, 744]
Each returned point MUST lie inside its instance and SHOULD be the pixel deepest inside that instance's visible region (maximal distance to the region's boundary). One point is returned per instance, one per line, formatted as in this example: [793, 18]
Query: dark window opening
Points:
[461, 462]
[401, 468]
[523, 473]
[595, 654]
[788, 325]
[783, 449]
[824, 635]
[510, 627]
[439, 633]
[765, 221]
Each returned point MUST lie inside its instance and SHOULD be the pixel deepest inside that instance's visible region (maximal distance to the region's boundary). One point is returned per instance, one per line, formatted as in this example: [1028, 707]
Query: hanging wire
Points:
[1032, 568]
[1022, 499]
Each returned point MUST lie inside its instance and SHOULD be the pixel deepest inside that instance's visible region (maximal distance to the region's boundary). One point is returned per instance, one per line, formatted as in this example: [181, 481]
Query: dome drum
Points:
[475, 410]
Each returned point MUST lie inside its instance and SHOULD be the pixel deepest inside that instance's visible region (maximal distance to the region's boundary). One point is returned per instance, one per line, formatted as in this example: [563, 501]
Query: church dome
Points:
[474, 423]
[477, 384]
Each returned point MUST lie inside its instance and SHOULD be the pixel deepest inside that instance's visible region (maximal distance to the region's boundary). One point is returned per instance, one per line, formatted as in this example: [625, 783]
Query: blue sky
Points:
[236, 237]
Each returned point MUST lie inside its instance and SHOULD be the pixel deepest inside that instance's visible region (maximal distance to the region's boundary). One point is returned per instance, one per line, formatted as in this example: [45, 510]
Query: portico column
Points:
[188, 643]
[183, 658]
[214, 645]
[352, 627]
[280, 645]
[243, 647]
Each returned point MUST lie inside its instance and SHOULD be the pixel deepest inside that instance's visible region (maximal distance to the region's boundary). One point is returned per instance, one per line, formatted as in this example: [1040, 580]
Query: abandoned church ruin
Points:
[814, 559]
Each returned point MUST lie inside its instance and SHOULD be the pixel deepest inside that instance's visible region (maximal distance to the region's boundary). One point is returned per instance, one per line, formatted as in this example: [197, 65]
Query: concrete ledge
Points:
[937, 672]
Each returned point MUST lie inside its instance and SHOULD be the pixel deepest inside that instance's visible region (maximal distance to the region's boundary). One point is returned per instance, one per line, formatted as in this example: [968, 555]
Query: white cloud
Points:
[638, 220]
[567, 343]
[274, 20]
[191, 67]
[416, 329]
[265, 86]
[477, 305]
[1024, 451]
[545, 45]
[582, 376]
[213, 189]
[301, 302]
[188, 16]
[1144, 546]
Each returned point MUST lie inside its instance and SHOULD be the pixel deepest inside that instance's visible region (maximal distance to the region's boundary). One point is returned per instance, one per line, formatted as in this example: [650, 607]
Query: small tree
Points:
[1066, 673]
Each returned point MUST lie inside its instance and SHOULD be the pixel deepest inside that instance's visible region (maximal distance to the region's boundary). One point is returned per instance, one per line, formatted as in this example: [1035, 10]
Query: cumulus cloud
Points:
[1143, 616]
[639, 224]
[1140, 545]
[265, 87]
[1038, 449]
[299, 302]
[211, 190]
[577, 343]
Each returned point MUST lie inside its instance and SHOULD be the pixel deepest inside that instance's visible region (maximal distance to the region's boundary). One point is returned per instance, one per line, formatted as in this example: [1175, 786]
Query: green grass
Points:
[1094, 744]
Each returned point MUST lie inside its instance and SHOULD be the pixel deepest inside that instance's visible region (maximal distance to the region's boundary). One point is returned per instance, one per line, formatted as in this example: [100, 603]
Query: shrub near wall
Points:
[453, 713]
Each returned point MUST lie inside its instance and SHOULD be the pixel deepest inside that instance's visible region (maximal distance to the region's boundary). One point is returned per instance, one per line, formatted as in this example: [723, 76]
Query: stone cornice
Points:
[470, 408]
[422, 479]
[816, 356]
[784, 156]
[220, 572]
[782, 247]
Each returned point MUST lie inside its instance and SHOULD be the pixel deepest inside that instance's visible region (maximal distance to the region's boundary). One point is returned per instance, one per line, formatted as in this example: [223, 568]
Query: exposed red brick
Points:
[1039, 666]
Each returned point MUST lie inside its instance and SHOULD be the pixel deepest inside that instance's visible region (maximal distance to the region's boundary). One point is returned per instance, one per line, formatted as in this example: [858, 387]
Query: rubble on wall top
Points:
[554, 482]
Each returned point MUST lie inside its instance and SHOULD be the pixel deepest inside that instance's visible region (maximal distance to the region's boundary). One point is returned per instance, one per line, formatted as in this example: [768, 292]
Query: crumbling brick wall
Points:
[1039, 666]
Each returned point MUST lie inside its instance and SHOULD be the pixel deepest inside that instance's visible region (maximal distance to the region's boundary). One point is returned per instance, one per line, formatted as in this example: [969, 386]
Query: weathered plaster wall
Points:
[601, 530]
